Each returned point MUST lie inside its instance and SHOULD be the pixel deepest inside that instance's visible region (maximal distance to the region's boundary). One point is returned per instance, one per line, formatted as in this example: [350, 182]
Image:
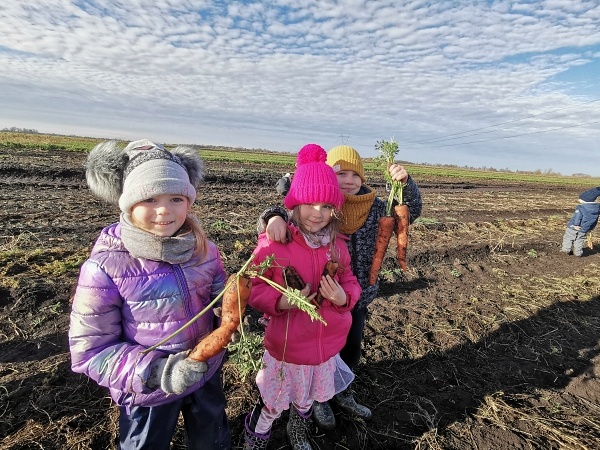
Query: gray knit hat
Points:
[141, 170]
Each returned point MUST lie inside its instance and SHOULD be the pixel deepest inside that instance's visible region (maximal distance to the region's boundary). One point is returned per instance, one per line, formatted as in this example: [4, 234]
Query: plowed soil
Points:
[488, 341]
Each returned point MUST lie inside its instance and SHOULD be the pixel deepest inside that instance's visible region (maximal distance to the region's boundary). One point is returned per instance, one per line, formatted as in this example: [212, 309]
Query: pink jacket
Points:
[299, 340]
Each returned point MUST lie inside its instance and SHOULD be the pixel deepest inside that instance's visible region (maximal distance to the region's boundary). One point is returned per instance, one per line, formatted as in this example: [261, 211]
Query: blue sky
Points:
[503, 84]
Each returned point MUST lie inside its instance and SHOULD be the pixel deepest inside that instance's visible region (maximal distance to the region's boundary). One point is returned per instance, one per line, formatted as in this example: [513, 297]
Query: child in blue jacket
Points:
[583, 221]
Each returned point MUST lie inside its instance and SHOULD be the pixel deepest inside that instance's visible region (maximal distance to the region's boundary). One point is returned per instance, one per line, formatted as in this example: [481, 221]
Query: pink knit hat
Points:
[314, 181]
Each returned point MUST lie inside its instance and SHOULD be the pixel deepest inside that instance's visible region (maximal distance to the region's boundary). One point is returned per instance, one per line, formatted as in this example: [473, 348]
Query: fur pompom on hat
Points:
[314, 181]
[141, 170]
[344, 157]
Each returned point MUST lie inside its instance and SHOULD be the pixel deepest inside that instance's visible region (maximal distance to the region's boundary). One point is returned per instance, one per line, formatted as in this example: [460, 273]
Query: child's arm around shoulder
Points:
[273, 221]
[411, 197]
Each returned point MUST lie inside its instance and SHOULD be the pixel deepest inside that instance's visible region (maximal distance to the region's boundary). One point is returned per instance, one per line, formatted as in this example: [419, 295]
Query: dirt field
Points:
[490, 340]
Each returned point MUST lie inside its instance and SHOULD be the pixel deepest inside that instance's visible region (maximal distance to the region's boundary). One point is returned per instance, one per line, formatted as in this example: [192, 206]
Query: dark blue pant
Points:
[203, 411]
[351, 352]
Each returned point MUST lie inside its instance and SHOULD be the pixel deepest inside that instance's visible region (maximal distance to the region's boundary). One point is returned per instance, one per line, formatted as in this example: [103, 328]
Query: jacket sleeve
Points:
[411, 197]
[353, 290]
[220, 277]
[271, 211]
[348, 280]
[97, 349]
[588, 220]
[577, 217]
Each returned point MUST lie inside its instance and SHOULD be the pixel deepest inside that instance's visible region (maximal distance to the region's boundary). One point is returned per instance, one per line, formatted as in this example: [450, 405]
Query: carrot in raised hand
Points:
[401, 212]
[385, 229]
[232, 309]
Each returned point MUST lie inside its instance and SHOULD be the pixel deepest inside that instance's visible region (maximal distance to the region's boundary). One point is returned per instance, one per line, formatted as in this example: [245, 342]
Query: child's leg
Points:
[257, 426]
[578, 244]
[305, 409]
[351, 352]
[298, 427]
[568, 239]
[261, 419]
[148, 428]
[205, 419]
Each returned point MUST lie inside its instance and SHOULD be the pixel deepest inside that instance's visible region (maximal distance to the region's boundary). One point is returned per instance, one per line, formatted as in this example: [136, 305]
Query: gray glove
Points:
[176, 373]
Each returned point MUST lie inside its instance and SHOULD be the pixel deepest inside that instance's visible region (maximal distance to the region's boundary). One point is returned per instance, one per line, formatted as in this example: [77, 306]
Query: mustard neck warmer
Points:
[356, 209]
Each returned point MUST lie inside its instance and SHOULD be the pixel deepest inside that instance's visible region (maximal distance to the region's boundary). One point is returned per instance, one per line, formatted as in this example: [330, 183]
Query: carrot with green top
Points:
[396, 221]
[234, 303]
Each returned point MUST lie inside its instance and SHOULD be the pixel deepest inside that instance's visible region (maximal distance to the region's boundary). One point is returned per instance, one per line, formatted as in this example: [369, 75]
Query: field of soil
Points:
[490, 339]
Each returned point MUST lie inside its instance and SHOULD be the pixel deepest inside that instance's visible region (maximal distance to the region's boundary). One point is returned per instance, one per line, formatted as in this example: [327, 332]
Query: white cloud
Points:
[270, 74]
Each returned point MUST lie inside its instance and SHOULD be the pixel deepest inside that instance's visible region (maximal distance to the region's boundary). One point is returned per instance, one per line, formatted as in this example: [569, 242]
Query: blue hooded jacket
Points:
[585, 216]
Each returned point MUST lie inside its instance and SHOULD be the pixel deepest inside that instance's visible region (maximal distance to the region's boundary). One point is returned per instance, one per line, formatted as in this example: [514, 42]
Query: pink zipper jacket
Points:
[291, 335]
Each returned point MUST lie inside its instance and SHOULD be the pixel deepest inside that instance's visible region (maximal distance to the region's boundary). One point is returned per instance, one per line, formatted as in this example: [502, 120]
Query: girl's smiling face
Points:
[349, 182]
[162, 215]
[315, 216]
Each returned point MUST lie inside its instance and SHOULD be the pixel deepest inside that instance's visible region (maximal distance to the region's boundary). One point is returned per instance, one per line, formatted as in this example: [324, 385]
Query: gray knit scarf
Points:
[141, 244]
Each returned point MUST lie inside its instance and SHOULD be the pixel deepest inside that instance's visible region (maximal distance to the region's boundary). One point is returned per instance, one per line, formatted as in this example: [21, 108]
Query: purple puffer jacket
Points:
[124, 305]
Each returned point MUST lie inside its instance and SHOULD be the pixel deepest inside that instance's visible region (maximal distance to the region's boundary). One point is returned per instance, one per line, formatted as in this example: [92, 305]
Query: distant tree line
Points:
[221, 147]
[21, 130]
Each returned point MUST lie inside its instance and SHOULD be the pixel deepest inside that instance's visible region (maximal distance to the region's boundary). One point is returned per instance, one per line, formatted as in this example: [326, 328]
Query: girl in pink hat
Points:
[301, 363]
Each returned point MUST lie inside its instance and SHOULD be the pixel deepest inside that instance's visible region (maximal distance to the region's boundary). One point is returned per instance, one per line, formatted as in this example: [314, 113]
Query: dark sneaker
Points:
[347, 404]
[323, 415]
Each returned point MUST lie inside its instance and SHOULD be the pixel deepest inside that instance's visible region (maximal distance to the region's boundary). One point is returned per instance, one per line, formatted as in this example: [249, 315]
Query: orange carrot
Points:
[330, 269]
[385, 229]
[402, 213]
[233, 306]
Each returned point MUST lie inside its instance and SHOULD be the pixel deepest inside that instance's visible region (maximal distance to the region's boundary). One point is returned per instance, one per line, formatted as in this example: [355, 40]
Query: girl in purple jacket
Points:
[148, 275]
[301, 361]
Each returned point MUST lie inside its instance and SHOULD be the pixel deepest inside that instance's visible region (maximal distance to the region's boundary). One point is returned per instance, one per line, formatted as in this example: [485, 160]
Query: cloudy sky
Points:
[503, 84]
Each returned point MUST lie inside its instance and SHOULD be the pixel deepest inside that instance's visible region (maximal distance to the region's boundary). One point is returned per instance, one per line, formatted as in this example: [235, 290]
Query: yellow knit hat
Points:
[344, 157]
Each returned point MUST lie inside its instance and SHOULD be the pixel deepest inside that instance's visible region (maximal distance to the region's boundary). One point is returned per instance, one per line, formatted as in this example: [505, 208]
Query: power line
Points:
[466, 133]
[516, 135]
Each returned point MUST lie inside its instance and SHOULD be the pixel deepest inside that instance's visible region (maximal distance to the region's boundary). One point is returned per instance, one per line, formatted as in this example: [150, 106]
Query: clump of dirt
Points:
[488, 340]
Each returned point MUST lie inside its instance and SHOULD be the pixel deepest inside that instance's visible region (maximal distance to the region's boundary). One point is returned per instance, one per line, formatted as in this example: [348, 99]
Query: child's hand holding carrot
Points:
[331, 290]
[175, 373]
[398, 173]
[284, 304]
